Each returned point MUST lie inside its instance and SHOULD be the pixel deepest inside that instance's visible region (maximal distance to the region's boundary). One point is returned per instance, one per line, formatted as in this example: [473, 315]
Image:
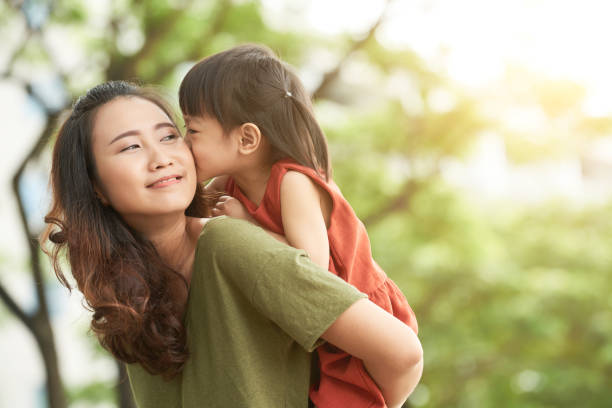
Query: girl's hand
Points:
[227, 205]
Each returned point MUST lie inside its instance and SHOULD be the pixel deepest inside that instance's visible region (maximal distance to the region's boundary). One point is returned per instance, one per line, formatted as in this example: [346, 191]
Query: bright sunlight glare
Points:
[475, 41]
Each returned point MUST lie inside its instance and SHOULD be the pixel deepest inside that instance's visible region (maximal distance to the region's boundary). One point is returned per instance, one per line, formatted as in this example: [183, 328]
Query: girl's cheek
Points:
[197, 153]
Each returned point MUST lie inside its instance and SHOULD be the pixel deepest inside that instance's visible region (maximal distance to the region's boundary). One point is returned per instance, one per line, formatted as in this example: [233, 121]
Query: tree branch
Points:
[154, 34]
[398, 203]
[331, 75]
[15, 308]
[16, 4]
[41, 328]
[18, 50]
[34, 152]
[194, 51]
[38, 323]
[124, 392]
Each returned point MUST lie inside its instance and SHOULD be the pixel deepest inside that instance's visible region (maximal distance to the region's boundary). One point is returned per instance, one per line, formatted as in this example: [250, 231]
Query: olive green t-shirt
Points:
[255, 312]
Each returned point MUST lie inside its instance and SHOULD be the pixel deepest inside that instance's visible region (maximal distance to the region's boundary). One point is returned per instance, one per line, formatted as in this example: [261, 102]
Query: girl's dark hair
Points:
[248, 83]
[133, 294]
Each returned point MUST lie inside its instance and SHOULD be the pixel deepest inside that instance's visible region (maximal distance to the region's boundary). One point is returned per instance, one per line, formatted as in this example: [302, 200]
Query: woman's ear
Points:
[249, 138]
[100, 195]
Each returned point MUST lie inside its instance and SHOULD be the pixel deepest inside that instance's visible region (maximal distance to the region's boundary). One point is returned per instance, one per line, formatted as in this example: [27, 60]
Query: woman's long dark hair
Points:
[248, 83]
[133, 294]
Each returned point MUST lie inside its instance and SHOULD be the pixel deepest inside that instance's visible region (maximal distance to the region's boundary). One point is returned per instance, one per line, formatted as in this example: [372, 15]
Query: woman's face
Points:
[143, 165]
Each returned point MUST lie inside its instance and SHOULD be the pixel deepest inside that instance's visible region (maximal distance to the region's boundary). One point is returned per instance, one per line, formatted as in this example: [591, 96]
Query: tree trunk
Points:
[46, 344]
[124, 392]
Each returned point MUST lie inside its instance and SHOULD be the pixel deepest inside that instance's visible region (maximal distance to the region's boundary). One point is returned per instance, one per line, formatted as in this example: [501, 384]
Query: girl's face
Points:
[214, 151]
[144, 167]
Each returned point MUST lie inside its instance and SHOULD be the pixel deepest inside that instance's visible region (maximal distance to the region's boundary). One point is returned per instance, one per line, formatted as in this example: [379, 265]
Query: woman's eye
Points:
[130, 147]
[169, 137]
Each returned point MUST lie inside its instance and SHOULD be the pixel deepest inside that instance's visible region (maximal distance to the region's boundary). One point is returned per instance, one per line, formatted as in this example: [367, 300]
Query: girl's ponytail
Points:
[314, 141]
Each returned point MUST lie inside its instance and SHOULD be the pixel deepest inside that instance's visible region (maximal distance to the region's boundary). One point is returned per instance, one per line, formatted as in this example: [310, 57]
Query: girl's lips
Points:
[165, 181]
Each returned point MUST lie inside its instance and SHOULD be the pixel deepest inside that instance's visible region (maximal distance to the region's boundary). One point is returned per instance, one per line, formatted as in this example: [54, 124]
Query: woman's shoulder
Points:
[201, 228]
[236, 248]
[224, 232]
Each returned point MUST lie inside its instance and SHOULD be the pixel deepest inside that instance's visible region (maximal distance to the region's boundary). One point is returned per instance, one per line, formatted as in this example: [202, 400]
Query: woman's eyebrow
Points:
[165, 124]
[136, 132]
[124, 134]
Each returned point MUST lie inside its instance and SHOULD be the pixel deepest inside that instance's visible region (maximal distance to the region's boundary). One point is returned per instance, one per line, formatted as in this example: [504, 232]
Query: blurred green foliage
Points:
[513, 303]
[94, 393]
[514, 309]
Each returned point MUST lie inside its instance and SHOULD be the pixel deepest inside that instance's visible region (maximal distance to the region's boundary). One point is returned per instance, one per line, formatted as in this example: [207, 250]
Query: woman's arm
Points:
[390, 350]
[302, 216]
[308, 303]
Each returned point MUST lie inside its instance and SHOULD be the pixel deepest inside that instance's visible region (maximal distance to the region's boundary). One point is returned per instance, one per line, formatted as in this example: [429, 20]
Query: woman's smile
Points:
[142, 149]
[165, 181]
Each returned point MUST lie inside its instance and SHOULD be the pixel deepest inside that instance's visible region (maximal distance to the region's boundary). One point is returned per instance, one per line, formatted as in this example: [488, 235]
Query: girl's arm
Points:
[302, 211]
[390, 350]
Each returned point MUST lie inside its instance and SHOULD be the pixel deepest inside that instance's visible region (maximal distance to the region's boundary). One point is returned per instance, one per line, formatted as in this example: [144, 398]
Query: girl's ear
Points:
[249, 138]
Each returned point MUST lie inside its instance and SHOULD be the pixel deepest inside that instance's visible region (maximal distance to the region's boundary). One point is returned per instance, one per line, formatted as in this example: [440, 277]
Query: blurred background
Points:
[473, 138]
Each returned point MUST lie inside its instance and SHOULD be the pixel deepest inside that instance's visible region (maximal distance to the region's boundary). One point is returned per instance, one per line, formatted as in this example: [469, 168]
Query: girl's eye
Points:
[169, 137]
[191, 131]
[130, 147]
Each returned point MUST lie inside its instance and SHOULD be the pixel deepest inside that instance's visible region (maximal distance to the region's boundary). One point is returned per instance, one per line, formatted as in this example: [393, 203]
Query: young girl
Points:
[251, 127]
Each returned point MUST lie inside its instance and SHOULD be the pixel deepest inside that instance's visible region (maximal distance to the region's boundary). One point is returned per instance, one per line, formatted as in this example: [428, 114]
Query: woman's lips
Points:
[165, 182]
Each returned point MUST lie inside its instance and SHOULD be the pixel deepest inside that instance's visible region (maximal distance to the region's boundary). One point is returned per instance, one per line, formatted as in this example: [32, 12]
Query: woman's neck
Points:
[174, 241]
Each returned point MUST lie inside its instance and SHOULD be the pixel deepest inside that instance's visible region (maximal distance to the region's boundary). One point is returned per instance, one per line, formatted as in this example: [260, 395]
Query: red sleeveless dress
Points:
[343, 379]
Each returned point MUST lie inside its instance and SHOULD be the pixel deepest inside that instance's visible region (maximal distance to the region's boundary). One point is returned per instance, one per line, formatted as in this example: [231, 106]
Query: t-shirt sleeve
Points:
[282, 282]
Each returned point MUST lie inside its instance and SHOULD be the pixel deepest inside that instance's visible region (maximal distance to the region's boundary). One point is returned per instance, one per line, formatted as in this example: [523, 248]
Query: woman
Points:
[206, 312]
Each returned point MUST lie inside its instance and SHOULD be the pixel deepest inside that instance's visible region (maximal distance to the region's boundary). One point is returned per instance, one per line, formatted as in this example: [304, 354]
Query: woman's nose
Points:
[159, 159]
